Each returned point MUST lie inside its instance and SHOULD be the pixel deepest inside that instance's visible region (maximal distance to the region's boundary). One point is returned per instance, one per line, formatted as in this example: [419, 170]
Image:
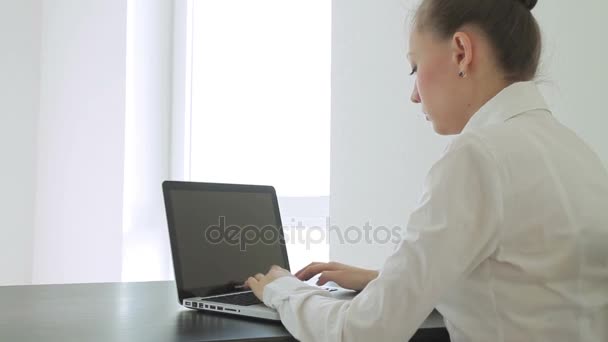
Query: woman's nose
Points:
[415, 96]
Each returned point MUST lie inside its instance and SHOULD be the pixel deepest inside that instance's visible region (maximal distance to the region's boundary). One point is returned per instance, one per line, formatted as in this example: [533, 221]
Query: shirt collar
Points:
[516, 99]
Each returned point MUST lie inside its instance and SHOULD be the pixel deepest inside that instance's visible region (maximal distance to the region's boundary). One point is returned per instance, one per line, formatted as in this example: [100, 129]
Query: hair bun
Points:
[529, 4]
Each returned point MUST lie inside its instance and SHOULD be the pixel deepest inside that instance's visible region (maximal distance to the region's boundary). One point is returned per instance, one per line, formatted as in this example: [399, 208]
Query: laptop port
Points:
[194, 305]
[220, 308]
[229, 309]
[212, 307]
[187, 303]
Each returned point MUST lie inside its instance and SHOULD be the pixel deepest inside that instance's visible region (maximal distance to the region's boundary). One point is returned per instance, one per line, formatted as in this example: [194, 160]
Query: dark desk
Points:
[131, 312]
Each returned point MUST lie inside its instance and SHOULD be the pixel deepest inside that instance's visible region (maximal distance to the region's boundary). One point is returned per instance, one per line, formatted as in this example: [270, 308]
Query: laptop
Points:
[220, 235]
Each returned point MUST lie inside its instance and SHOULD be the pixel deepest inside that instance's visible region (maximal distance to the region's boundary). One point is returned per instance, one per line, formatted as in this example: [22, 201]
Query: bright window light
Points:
[261, 92]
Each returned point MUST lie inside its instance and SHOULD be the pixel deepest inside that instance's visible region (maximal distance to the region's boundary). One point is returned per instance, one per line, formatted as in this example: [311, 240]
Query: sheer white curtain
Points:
[145, 246]
[80, 152]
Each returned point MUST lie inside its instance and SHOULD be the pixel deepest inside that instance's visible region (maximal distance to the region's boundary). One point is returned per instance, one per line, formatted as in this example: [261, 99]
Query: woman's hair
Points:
[509, 25]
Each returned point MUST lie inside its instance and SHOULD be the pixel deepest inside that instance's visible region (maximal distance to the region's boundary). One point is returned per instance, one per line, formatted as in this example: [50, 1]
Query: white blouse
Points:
[509, 242]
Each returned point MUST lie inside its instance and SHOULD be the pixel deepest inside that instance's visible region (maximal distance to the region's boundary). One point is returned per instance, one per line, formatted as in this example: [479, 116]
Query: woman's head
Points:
[465, 51]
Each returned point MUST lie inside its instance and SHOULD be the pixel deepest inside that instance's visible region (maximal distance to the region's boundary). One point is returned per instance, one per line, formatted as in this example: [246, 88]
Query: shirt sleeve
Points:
[454, 229]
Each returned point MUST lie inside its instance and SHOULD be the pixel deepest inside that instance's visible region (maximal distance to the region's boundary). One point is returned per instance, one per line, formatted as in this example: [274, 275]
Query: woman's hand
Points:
[257, 282]
[348, 277]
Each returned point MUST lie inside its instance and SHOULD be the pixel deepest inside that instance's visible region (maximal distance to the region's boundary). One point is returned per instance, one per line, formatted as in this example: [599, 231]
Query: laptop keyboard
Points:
[243, 298]
[246, 298]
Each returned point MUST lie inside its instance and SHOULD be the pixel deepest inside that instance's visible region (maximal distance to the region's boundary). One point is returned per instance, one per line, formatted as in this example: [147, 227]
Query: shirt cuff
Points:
[279, 289]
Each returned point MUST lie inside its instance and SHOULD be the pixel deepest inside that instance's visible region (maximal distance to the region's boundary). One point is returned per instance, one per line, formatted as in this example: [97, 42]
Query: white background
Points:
[63, 114]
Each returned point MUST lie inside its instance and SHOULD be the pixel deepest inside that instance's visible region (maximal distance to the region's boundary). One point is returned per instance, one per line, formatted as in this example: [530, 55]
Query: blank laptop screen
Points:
[223, 237]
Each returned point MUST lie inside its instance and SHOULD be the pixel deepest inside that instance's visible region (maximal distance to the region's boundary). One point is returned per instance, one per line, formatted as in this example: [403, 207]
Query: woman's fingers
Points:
[312, 270]
[354, 279]
[334, 276]
[346, 279]
[305, 267]
[254, 285]
[251, 282]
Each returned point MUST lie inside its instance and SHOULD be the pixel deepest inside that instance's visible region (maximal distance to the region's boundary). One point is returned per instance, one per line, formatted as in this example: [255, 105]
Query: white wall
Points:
[381, 146]
[574, 73]
[80, 170]
[19, 94]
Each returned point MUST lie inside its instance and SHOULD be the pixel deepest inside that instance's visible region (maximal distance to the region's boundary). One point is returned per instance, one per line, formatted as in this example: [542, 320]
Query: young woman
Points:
[510, 240]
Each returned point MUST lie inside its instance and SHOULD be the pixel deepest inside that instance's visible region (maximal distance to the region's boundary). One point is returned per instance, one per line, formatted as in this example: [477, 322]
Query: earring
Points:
[461, 74]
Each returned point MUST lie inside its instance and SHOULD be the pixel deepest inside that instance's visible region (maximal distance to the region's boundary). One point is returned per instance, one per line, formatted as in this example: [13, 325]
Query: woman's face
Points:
[438, 87]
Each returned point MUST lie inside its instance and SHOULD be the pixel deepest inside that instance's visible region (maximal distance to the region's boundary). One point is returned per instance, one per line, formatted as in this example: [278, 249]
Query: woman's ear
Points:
[462, 51]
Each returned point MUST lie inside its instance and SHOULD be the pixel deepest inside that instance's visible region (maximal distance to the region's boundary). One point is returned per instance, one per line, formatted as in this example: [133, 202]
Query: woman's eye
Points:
[414, 70]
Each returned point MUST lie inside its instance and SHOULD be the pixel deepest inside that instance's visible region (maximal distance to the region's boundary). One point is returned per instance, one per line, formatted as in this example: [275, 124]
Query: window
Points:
[260, 107]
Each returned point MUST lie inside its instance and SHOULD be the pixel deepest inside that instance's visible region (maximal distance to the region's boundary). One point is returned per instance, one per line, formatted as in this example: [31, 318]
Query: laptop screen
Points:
[223, 237]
